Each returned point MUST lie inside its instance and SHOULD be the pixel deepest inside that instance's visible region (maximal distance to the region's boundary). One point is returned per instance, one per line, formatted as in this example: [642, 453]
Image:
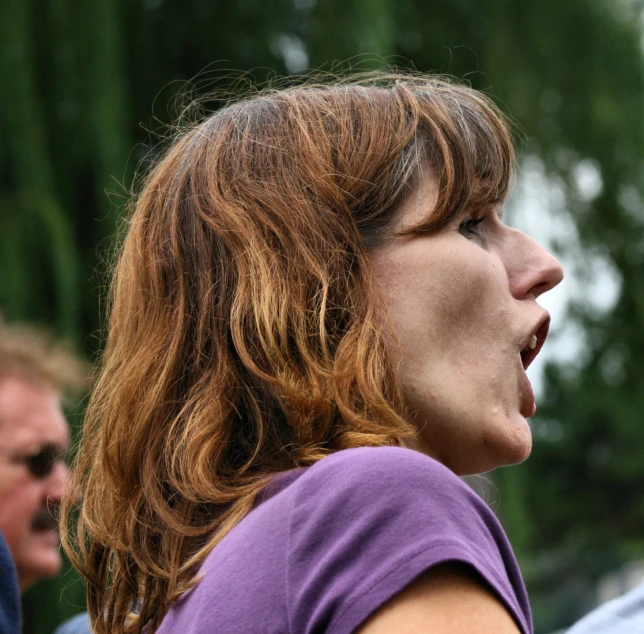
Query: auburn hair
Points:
[245, 330]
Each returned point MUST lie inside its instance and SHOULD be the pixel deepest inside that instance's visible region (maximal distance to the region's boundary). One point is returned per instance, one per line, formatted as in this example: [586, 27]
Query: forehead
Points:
[419, 203]
[30, 414]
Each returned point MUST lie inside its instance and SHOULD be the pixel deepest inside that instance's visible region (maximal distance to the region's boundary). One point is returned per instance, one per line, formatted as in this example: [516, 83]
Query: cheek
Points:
[477, 315]
[455, 317]
[446, 301]
[17, 508]
[419, 302]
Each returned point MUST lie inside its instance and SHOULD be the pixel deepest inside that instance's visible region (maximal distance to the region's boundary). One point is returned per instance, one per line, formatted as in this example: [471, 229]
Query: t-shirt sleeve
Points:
[366, 522]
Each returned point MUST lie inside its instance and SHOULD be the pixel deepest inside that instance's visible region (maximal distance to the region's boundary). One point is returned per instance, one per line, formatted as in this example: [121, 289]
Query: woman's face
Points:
[463, 306]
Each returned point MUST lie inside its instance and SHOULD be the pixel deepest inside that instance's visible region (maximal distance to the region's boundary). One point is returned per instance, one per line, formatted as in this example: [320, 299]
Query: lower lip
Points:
[528, 406]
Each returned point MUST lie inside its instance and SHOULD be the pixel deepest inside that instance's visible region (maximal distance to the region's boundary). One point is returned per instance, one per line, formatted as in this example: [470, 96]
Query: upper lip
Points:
[46, 518]
[540, 331]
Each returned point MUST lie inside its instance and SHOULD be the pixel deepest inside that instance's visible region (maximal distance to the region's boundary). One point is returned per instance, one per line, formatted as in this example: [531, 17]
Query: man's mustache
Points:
[46, 518]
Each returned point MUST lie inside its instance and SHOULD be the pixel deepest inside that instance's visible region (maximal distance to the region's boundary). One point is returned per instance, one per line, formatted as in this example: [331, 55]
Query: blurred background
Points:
[88, 86]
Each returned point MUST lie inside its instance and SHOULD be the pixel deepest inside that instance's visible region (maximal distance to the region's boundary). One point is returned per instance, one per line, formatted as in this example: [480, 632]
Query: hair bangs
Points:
[463, 142]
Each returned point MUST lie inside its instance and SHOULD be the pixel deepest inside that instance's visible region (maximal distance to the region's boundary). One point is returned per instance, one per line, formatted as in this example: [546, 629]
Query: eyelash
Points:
[466, 227]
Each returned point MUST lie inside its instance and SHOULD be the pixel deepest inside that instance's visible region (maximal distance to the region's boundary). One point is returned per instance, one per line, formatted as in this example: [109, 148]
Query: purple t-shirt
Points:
[329, 544]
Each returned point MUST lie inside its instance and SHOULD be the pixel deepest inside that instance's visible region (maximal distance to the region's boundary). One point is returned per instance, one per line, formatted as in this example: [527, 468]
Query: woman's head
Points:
[247, 333]
[462, 308]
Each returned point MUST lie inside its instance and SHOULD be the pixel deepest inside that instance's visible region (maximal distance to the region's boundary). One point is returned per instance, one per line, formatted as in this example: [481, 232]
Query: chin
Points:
[500, 449]
[41, 565]
[518, 446]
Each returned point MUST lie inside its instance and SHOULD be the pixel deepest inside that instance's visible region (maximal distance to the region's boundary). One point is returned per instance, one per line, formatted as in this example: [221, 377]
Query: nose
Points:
[56, 481]
[532, 270]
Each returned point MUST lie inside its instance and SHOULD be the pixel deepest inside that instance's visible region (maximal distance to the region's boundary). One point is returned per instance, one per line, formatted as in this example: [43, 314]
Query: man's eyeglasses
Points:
[41, 462]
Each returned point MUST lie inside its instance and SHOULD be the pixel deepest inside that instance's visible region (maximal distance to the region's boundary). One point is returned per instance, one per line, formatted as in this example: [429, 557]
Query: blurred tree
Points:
[85, 83]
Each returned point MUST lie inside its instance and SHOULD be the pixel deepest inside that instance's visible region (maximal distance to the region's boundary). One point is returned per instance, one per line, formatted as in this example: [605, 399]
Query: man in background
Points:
[35, 372]
[9, 599]
[624, 615]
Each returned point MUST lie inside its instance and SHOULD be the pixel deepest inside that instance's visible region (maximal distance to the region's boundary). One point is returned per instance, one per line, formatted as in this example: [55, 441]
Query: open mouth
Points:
[535, 343]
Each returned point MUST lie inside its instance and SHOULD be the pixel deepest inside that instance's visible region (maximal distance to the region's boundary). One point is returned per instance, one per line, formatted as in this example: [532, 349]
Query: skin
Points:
[462, 304]
[30, 417]
[447, 599]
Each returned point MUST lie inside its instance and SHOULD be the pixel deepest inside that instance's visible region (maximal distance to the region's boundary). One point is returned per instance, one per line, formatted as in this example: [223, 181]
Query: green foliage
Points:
[84, 81]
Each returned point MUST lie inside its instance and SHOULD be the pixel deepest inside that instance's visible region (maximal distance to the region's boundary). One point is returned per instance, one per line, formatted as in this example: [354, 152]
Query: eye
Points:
[467, 228]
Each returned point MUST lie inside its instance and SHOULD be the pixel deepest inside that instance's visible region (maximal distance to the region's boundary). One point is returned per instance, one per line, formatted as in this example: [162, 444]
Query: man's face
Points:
[31, 419]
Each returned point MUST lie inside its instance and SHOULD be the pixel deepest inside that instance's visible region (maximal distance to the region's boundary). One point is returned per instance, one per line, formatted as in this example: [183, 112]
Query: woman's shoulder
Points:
[332, 543]
[403, 483]
[398, 460]
[389, 491]
[363, 523]
[372, 474]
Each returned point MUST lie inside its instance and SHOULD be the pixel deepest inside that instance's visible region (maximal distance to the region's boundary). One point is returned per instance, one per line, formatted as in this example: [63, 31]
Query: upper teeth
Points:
[532, 344]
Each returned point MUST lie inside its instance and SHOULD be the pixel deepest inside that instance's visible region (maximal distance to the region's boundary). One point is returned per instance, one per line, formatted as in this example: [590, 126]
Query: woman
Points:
[318, 321]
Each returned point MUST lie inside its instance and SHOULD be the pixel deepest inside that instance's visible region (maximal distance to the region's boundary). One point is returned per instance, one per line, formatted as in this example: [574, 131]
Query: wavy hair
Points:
[245, 330]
